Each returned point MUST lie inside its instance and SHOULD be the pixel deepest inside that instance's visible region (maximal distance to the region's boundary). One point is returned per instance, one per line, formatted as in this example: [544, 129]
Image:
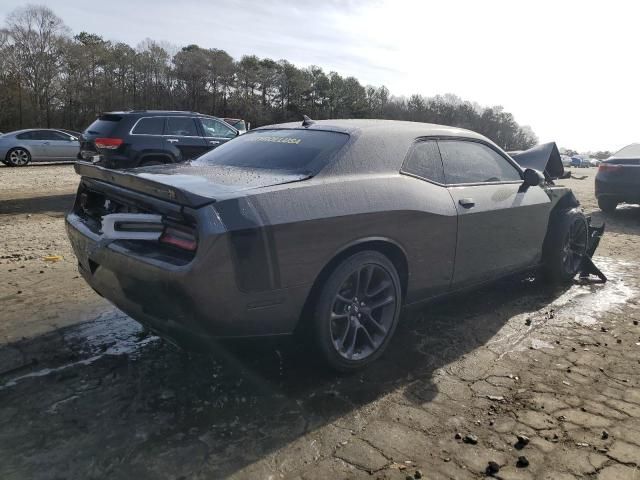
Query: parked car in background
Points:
[22, 147]
[151, 137]
[618, 178]
[566, 160]
[594, 162]
[326, 228]
[578, 162]
[238, 124]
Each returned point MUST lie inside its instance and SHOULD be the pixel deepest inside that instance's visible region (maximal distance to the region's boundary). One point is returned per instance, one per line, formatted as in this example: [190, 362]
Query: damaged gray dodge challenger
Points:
[328, 227]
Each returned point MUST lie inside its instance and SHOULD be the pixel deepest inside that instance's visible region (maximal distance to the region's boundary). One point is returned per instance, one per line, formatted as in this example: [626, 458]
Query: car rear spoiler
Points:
[544, 158]
[143, 185]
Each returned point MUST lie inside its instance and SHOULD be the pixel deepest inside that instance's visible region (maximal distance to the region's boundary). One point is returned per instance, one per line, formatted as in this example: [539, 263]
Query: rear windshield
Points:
[104, 125]
[632, 150]
[293, 151]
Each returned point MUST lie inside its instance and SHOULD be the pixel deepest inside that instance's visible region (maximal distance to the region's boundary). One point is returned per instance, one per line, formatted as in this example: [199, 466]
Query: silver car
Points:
[21, 147]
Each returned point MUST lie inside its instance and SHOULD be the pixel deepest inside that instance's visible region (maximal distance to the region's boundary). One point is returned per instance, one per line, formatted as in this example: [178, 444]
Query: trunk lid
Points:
[189, 185]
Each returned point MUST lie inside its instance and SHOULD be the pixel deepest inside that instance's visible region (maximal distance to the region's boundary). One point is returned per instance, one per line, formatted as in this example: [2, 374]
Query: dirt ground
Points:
[86, 394]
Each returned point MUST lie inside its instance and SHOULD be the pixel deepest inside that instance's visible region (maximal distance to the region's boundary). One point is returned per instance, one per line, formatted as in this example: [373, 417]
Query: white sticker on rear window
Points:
[287, 140]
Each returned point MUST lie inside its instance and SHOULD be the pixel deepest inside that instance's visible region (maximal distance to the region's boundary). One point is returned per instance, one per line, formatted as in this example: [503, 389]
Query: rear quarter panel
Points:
[303, 226]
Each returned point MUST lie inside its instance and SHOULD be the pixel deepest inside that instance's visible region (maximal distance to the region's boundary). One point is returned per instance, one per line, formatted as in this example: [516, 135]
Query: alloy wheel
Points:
[19, 157]
[363, 312]
[575, 246]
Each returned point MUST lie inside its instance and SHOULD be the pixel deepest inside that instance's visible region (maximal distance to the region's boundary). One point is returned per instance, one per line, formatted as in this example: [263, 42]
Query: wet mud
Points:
[86, 393]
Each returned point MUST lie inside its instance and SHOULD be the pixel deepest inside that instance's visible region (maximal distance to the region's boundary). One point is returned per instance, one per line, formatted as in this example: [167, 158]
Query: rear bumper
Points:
[618, 187]
[198, 300]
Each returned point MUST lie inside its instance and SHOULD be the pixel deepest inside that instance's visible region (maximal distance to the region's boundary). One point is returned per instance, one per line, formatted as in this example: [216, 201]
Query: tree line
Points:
[51, 78]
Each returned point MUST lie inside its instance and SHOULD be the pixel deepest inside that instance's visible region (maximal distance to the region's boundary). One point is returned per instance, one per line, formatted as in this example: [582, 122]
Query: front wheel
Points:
[565, 246]
[18, 157]
[357, 311]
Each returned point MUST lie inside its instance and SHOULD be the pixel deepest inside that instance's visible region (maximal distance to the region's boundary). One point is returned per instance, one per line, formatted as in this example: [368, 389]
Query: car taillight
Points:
[108, 143]
[181, 238]
[609, 167]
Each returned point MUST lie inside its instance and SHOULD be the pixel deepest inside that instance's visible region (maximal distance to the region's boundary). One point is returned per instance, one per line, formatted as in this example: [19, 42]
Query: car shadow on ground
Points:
[104, 399]
[56, 205]
[625, 219]
[41, 164]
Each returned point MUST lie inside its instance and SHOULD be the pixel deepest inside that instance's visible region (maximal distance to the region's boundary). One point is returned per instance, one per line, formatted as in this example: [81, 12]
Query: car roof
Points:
[378, 146]
[17, 132]
[152, 113]
[384, 127]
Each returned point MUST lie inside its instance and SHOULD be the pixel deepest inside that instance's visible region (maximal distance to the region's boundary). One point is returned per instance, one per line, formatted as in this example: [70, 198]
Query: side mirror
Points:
[532, 178]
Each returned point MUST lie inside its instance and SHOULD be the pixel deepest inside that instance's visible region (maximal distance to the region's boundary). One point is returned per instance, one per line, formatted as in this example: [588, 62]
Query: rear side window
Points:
[181, 127]
[25, 136]
[149, 126]
[473, 162]
[291, 151]
[39, 135]
[424, 161]
[104, 125]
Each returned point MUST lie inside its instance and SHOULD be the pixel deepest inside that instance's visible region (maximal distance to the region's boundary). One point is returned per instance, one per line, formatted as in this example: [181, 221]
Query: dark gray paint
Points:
[263, 244]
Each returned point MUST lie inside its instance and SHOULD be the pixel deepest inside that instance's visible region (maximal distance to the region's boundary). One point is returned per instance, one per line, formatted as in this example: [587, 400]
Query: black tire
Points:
[18, 157]
[371, 319]
[565, 246]
[607, 204]
[151, 163]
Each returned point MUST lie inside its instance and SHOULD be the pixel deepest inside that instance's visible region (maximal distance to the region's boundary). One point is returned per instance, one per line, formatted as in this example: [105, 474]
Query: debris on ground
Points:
[470, 439]
[492, 468]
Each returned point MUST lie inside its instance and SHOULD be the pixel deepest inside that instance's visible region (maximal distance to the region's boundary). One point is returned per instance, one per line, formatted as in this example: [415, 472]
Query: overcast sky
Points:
[569, 69]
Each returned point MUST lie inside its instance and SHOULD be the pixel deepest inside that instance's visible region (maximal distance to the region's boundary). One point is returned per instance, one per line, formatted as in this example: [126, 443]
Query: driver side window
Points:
[466, 161]
[52, 135]
[214, 128]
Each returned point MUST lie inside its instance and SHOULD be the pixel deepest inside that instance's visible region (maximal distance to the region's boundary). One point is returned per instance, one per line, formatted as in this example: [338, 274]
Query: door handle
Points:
[45, 143]
[214, 142]
[467, 202]
[172, 140]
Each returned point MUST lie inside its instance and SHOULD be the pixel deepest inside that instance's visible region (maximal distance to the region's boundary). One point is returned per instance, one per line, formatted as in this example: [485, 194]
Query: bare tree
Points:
[36, 35]
[47, 77]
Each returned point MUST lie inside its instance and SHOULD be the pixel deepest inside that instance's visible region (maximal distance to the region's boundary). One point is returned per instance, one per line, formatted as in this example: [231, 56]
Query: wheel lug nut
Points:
[362, 304]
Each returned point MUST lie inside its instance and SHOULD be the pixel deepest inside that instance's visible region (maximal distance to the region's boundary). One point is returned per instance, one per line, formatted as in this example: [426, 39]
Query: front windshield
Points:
[284, 150]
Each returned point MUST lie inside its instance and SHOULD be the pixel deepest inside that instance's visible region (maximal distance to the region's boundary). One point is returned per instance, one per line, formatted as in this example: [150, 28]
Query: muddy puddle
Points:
[107, 399]
[524, 307]
[585, 303]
